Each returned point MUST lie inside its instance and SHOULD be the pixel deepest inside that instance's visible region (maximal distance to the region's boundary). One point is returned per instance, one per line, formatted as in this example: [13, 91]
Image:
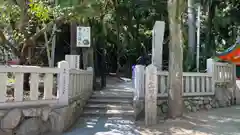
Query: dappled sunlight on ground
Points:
[173, 127]
[105, 126]
[223, 121]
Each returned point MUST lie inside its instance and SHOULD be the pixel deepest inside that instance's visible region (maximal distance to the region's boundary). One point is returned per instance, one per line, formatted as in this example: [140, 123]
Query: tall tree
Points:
[23, 23]
[191, 33]
[210, 48]
[175, 102]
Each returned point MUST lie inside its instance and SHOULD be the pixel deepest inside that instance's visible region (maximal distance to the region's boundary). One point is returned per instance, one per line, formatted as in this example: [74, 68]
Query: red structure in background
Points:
[13, 62]
[232, 54]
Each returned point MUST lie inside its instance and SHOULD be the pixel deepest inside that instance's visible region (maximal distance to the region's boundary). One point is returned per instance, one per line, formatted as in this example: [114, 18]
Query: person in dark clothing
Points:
[144, 60]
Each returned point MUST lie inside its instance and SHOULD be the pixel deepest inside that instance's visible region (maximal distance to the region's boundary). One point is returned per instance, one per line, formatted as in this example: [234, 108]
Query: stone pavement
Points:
[105, 126]
[108, 125]
[222, 121]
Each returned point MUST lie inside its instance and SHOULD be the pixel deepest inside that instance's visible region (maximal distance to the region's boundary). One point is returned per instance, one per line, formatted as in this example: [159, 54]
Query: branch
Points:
[23, 14]
[47, 28]
[32, 39]
[7, 42]
[57, 20]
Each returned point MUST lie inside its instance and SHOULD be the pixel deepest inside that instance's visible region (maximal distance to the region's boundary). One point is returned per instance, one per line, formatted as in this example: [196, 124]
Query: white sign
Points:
[83, 36]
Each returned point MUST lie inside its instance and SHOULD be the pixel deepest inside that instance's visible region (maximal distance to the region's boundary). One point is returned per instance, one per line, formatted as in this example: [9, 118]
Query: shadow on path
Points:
[108, 125]
[104, 126]
[222, 121]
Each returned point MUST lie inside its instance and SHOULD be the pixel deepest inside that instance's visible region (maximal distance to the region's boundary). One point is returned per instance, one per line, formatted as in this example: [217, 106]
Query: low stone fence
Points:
[222, 98]
[32, 114]
[199, 90]
[42, 119]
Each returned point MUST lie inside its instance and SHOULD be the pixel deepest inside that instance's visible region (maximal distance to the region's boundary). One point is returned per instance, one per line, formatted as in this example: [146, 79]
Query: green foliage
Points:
[130, 24]
[122, 27]
[22, 24]
[225, 22]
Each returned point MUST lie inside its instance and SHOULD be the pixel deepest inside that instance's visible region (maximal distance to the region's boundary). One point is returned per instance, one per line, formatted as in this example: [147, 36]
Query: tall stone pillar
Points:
[157, 44]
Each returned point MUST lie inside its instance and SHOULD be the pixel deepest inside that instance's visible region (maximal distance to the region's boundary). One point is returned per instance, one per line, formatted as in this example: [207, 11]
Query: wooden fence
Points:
[48, 86]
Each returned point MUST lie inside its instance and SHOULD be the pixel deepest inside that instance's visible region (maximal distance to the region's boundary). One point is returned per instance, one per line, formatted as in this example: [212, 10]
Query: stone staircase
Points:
[110, 103]
[109, 111]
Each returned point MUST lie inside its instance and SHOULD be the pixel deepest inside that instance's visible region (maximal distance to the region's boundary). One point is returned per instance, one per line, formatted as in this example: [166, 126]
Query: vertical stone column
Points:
[63, 83]
[139, 90]
[151, 87]
[73, 60]
[157, 43]
[210, 63]
[139, 82]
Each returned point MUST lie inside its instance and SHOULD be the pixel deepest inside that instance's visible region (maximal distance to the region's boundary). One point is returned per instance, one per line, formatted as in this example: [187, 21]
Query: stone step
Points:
[113, 93]
[115, 88]
[110, 106]
[107, 119]
[113, 96]
[101, 112]
[117, 101]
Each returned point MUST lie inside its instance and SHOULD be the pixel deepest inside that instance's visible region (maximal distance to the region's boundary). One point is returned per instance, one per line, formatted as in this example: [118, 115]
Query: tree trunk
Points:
[103, 69]
[93, 55]
[175, 102]
[191, 35]
[73, 48]
[26, 76]
[210, 46]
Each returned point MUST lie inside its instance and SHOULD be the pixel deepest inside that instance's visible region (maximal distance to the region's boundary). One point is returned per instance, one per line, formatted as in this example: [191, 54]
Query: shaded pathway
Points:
[105, 126]
[124, 125]
[222, 121]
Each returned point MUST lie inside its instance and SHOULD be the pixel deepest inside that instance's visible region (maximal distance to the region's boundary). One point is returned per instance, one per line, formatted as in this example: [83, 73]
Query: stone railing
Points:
[42, 90]
[223, 72]
[206, 90]
[81, 82]
[194, 84]
[52, 104]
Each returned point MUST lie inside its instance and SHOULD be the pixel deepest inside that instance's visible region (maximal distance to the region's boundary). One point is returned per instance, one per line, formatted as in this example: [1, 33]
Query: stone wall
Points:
[193, 104]
[37, 121]
[223, 97]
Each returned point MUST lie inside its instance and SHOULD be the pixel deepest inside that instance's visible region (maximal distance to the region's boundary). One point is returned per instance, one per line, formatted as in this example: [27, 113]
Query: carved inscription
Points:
[151, 87]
